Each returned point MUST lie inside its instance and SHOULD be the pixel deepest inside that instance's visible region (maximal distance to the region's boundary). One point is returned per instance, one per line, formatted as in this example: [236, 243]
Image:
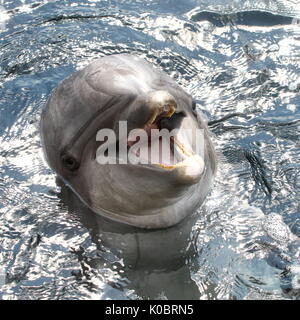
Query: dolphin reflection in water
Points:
[155, 264]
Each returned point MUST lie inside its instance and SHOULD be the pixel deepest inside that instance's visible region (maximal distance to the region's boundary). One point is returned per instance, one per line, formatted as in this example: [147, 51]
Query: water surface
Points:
[241, 62]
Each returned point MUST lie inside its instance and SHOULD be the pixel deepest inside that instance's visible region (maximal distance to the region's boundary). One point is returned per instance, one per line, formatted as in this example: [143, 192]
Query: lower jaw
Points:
[158, 219]
[160, 152]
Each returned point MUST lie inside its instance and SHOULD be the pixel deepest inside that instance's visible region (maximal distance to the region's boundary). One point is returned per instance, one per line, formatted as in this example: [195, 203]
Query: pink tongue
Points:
[159, 157]
[147, 128]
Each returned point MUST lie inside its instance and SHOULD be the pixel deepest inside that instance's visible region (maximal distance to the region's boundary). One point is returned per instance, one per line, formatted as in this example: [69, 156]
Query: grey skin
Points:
[126, 88]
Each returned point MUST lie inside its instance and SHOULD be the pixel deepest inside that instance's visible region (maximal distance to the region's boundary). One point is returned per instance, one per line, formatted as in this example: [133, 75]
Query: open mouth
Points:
[168, 140]
[162, 144]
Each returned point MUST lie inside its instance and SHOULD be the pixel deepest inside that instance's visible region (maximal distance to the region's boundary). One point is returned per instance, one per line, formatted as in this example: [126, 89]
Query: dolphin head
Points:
[129, 142]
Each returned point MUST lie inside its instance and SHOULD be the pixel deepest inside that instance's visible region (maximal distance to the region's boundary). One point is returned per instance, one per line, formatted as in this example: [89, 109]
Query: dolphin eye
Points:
[69, 162]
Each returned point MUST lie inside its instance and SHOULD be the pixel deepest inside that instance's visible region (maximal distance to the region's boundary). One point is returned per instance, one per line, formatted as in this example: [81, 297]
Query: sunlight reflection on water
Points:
[243, 68]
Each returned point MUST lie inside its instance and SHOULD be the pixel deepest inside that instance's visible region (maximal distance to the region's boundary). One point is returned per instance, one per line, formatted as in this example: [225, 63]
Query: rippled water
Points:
[241, 62]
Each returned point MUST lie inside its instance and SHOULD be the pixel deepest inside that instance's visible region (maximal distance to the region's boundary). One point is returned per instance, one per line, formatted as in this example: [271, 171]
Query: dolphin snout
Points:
[162, 104]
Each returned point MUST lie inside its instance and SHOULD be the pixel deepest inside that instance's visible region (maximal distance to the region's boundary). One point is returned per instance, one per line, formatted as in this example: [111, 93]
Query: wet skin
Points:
[126, 88]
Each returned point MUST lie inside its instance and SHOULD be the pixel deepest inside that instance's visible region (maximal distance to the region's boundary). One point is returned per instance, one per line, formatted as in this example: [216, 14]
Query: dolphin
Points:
[126, 89]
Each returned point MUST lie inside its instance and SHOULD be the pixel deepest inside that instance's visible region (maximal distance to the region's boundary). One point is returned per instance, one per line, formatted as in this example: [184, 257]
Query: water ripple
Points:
[241, 62]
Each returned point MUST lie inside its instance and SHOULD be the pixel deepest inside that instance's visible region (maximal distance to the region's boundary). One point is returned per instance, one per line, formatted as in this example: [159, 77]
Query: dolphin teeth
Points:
[163, 104]
[168, 110]
[185, 153]
[152, 119]
[187, 158]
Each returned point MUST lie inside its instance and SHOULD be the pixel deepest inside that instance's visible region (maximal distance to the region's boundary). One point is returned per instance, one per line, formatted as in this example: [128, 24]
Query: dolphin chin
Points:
[124, 89]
